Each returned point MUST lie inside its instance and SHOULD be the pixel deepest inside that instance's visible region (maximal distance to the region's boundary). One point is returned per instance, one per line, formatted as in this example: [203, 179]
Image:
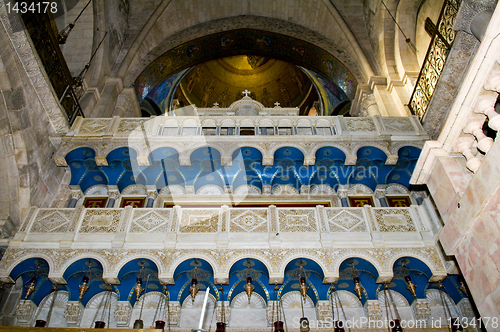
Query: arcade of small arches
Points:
[330, 172]
[358, 290]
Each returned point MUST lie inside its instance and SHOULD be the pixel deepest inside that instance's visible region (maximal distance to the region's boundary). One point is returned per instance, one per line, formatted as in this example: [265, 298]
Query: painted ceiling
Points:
[245, 42]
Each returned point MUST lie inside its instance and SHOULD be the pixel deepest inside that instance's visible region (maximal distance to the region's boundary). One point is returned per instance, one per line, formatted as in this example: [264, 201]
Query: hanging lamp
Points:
[278, 324]
[221, 326]
[249, 288]
[455, 325]
[105, 303]
[338, 325]
[395, 323]
[139, 323]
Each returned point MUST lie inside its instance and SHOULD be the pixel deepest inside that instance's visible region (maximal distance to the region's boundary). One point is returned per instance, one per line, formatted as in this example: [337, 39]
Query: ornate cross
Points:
[276, 104]
[216, 104]
[246, 93]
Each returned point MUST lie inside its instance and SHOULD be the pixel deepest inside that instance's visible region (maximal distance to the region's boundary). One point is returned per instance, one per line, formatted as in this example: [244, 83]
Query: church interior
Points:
[250, 165]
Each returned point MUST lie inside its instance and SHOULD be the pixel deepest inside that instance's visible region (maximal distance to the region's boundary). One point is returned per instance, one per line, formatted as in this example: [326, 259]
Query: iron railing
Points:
[43, 33]
[437, 53]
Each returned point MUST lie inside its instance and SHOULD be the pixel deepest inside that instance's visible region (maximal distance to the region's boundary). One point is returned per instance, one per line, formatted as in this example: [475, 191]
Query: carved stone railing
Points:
[145, 135]
[225, 227]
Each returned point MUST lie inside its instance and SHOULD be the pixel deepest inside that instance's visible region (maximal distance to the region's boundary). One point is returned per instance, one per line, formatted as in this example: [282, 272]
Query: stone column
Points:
[76, 194]
[342, 193]
[113, 195]
[380, 195]
[152, 194]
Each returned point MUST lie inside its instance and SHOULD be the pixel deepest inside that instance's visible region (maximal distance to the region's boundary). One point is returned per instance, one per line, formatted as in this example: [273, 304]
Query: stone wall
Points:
[28, 174]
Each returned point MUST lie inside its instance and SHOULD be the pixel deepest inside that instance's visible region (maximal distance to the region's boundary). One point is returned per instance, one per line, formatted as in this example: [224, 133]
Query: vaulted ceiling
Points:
[361, 34]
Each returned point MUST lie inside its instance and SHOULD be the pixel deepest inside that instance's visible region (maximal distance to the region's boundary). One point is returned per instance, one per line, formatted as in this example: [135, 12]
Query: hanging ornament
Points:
[358, 288]
[463, 289]
[221, 326]
[304, 325]
[303, 288]
[30, 288]
[138, 288]
[278, 326]
[83, 287]
[410, 286]
[193, 290]
[249, 288]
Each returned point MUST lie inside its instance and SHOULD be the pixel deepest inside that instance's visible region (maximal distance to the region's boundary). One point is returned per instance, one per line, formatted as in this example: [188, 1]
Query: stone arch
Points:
[432, 260]
[326, 36]
[381, 146]
[192, 255]
[289, 145]
[315, 259]
[233, 148]
[329, 145]
[263, 260]
[142, 255]
[50, 262]
[346, 255]
[87, 255]
[394, 148]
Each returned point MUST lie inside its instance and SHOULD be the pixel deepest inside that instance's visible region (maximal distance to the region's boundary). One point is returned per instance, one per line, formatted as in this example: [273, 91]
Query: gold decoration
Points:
[83, 287]
[138, 288]
[193, 290]
[249, 288]
[358, 288]
[463, 289]
[30, 288]
[303, 288]
[410, 286]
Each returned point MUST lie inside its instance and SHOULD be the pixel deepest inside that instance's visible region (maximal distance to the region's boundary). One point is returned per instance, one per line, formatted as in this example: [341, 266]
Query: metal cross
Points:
[246, 93]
